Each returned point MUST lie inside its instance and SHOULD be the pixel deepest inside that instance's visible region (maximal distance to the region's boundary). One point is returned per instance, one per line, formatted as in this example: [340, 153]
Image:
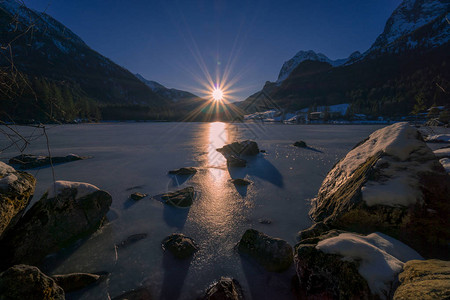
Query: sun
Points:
[217, 94]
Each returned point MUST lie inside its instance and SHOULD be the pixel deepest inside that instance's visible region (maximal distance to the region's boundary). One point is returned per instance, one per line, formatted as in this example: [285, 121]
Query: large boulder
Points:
[424, 279]
[341, 265]
[240, 148]
[274, 254]
[67, 212]
[29, 161]
[28, 282]
[16, 190]
[225, 289]
[390, 182]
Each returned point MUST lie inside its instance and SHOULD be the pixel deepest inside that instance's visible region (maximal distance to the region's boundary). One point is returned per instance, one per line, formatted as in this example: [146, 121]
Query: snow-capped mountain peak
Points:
[302, 56]
[410, 16]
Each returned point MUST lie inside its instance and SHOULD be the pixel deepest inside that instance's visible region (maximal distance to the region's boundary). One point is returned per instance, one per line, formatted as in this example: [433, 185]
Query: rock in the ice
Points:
[29, 161]
[16, 190]
[393, 183]
[424, 279]
[234, 161]
[179, 245]
[241, 181]
[67, 212]
[240, 148]
[438, 138]
[184, 171]
[341, 265]
[274, 254]
[28, 282]
[180, 198]
[137, 196]
[300, 144]
[131, 240]
[75, 281]
[225, 289]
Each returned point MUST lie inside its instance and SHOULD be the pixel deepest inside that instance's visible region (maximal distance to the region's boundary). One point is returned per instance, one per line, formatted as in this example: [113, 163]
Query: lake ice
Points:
[135, 157]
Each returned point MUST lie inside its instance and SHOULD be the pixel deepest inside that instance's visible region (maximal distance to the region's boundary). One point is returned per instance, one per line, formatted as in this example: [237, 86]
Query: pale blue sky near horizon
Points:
[177, 43]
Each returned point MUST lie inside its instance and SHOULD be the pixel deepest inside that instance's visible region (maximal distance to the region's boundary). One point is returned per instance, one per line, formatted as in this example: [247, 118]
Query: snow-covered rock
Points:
[445, 162]
[16, 190]
[442, 153]
[342, 265]
[391, 182]
[438, 138]
[65, 213]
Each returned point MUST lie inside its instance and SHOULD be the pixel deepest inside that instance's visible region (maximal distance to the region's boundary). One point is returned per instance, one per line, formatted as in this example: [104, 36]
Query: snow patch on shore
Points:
[83, 189]
[380, 257]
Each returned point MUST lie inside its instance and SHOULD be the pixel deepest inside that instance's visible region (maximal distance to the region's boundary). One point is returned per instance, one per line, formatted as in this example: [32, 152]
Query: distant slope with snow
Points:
[172, 94]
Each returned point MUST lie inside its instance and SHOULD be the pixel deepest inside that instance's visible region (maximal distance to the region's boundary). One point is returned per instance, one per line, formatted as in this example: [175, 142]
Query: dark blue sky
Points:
[176, 42]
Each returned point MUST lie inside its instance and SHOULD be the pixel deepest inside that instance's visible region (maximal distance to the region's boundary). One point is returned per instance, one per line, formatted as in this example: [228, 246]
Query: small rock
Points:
[234, 161]
[137, 294]
[184, 171]
[28, 282]
[262, 151]
[225, 289]
[274, 254]
[424, 279]
[131, 240]
[75, 281]
[180, 198]
[300, 144]
[179, 245]
[240, 148]
[29, 161]
[265, 221]
[137, 196]
[240, 181]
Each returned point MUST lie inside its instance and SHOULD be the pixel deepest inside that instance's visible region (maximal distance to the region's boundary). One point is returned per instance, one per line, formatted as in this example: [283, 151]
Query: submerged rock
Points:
[300, 144]
[225, 289]
[29, 161]
[392, 183]
[341, 265]
[424, 279]
[274, 254]
[240, 181]
[137, 196]
[180, 198]
[265, 221]
[75, 281]
[28, 282]
[67, 212]
[240, 148]
[16, 190]
[184, 171]
[137, 294]
[131, 240]
[179, 245]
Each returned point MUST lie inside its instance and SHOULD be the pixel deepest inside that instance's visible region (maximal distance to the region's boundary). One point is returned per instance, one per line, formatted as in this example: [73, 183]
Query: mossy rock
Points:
[224, 289]
[424, 279]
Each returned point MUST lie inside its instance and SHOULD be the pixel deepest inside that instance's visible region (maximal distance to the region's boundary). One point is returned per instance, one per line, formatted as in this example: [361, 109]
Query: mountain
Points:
[409, 60]
[173, 94]
[414, 24]
[60, 76]
[302, 56]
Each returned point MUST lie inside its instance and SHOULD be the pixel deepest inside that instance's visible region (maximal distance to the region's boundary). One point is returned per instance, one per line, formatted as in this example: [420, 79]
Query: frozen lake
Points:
[130, 157]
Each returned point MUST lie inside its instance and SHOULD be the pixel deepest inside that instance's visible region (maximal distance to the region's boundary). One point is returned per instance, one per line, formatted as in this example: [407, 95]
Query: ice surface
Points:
[380, 257]
[83, 189]
[135, 157]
